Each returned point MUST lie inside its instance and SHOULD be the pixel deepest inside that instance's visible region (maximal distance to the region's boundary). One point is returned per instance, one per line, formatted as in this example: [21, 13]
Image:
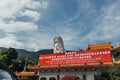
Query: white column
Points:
[90, 77]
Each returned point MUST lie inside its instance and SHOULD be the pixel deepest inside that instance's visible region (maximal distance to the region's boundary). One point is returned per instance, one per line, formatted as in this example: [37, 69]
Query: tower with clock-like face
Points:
[58, 45]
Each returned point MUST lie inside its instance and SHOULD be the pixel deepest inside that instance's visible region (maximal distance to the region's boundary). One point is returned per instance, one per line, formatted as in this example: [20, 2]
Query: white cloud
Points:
[107, 24]
[83, 8]
[12, 9]
[12, 24]
[37, 4]
[32, 14]
[112, 17]
[10, 41]
[17, 26]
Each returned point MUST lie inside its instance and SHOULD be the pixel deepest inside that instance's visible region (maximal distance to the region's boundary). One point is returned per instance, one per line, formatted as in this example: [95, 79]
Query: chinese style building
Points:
[82, 64]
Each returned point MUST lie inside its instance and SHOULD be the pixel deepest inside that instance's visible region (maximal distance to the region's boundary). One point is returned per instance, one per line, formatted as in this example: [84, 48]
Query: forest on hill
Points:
[14, 59]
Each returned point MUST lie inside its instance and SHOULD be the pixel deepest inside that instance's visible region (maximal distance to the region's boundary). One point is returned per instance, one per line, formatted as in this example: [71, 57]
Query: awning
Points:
[117, 62]
[25, 73]
[105, 64]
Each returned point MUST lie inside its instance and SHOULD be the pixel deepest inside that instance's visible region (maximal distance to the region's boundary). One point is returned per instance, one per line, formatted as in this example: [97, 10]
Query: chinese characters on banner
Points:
[78, 57]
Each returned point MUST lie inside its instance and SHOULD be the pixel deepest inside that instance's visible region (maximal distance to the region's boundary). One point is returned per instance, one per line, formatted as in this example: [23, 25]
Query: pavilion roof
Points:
[25, 73]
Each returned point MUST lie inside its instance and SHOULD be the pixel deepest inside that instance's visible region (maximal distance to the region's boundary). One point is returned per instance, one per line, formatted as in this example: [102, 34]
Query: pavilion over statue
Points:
[58, 45]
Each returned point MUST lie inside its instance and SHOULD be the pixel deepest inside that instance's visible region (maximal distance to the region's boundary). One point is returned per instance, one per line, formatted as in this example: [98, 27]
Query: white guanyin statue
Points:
[58, 45]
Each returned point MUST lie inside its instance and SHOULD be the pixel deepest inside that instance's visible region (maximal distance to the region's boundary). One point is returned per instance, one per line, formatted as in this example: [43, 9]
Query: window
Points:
[52, 78]
[43, 78]
[97, 77]
[84, 77]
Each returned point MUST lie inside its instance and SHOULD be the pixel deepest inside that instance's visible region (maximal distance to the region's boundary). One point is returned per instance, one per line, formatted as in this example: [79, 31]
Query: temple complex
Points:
[74, 65]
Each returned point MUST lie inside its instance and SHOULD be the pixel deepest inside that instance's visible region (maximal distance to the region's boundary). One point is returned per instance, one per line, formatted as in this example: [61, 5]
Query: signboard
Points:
[78, 57]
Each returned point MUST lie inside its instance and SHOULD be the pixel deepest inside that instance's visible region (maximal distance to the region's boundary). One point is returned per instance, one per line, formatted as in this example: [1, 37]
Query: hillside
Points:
[22, 54]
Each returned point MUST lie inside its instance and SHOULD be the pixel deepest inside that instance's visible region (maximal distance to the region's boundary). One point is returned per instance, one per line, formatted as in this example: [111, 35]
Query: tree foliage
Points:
[115, 72]
[7, 58]
[112, 73]
[105, 74]
[116, 54]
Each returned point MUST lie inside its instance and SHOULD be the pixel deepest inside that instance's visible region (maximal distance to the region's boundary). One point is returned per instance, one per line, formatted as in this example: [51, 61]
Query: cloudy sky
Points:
[32, 24]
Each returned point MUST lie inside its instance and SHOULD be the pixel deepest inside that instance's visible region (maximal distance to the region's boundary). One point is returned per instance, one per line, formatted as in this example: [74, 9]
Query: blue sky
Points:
[32, 24]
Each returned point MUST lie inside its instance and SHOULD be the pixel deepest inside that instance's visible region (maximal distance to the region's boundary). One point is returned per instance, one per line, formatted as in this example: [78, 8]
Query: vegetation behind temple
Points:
[14, 59]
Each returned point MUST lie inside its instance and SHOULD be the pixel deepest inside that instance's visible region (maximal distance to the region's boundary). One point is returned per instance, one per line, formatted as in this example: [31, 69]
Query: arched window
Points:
[43, 78]
[52, 78]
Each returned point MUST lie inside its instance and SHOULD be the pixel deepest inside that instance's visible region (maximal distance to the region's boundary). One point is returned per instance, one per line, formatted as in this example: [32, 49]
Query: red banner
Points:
[78, 57]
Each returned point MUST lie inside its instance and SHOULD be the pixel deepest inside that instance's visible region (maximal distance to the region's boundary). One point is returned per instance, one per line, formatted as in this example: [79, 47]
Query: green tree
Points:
[105, 74]
[112, 73]
[116, 54]
[115, 72]
[8, 57]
